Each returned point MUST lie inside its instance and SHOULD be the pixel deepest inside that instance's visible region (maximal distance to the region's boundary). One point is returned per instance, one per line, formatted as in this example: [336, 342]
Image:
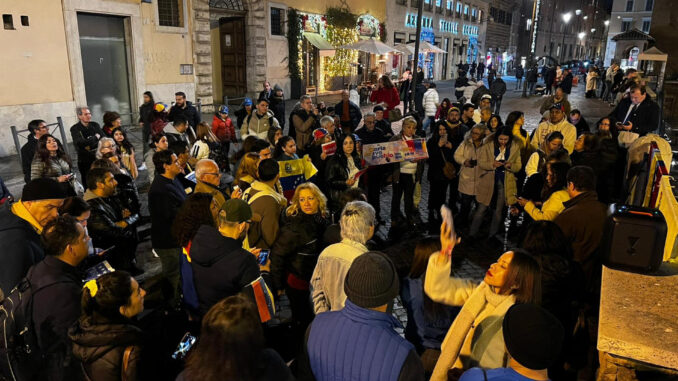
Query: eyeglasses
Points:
[212, 173]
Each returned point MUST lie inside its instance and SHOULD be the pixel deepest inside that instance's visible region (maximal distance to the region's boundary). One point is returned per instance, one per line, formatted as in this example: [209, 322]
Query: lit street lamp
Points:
[581, 35]
[566, 19]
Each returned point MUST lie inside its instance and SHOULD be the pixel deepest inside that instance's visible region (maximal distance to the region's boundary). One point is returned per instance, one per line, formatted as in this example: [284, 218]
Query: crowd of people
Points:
[231, 246]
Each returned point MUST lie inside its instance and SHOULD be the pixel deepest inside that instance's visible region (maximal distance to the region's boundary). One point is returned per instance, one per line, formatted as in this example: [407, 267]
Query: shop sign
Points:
[411, 21]
[368, 26]
[449, 26]
[470, 30]
[312, 23]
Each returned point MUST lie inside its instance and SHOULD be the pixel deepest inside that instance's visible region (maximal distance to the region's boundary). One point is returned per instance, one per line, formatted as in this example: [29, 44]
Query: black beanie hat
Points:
[371, 280]
[43, 189]
[533, 336]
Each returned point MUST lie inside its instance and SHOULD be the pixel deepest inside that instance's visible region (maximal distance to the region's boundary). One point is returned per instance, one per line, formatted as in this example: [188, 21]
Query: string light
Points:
[340, 64]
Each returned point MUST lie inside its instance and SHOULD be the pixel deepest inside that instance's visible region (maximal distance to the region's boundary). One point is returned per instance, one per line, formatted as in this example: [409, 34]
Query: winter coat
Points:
[105, 212]
[266, 210]
[296, 250]
[327, 281]
[436, 153]
[469, 178]
[278, 108]
[532, 75]
[550, 209]
[566, 128]
[478, 94]
[100, 344]
[396, 166]
[22, 247]
[271, 367]
[353, 111]
[336, 174]
[221, 267]
[164, 200]
[55, 310]
[200, 150]
[645, 118]
[303, 123]
[566, 83]
[582, 126]
[189, 112]
[27, 155]
[362, 343]
[520, 72]
[498, 88]
[486, 178]
[146, 114]
[56, 167]
[430, 102]
[223, 129]
[242, 114]
[258, 125]
[592, 81]
[388, 96]
[86, 141]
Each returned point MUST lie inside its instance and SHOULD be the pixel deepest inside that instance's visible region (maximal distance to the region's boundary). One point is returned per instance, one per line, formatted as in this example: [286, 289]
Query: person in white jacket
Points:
[205, 138]
[430, 102]
[556, 122]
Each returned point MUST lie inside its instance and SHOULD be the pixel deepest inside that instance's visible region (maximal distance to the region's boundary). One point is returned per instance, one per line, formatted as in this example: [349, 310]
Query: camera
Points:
[474, 163]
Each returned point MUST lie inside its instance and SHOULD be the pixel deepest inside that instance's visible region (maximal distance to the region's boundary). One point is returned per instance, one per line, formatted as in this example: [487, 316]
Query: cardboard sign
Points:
[395, 152]
[329, 148]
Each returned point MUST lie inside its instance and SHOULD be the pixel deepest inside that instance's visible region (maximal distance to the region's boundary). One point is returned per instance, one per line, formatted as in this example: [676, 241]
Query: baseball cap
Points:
[247, 102]
[223, 109]
[486, 96]
[558, 106]
[236, 210]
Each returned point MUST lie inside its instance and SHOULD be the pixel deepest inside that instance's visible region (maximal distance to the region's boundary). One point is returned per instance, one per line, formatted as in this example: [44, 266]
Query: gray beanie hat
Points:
[372, 280]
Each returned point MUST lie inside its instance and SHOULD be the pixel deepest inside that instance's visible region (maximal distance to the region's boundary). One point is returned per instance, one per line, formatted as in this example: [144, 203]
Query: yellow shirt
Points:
[20, 211]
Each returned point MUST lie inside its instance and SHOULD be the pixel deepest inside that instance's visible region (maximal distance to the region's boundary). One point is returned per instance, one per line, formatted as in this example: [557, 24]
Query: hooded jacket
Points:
[258, 125]
[221, 267]
[566, 128]
[189, 112]
[223, 129]
[100, 347]
[21, 248]
[267, 205]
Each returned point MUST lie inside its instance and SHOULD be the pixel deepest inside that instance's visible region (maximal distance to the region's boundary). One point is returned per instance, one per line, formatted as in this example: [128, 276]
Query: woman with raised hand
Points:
[475, 337]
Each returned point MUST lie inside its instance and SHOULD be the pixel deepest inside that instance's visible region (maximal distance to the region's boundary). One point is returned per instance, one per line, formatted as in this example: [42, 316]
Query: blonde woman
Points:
[204, 143]
[295, 252]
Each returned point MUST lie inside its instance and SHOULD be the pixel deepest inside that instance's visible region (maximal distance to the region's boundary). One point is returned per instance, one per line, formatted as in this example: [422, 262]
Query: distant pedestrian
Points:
[498, 89]
[519, 76]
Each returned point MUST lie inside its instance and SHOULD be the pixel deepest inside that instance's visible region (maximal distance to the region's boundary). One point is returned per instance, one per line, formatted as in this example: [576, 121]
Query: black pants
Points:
[300, 303]
[145, 136]
[83, 167]
[405, 186]
[438, 191]
[496, 105]
[374, 180]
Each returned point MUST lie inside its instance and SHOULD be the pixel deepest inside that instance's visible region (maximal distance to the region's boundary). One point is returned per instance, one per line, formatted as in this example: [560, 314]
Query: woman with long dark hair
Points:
[51, 161]
[158, 143]
[232, 347]
[475, 337]
[443, 109]
[146, 117]
[500, 161]
[441, 151]
[341, 169]
[105, 338]
[285, 149]
[386, 94]
[554, 193]
[126, 152]
[515, 122]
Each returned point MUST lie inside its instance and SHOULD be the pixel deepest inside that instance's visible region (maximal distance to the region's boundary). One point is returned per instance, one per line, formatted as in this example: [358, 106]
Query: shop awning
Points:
[325, 48]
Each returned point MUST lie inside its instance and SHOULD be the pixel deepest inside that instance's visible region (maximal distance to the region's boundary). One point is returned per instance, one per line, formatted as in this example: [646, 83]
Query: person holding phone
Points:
[466, 156]
[52, 161]
[105, 340]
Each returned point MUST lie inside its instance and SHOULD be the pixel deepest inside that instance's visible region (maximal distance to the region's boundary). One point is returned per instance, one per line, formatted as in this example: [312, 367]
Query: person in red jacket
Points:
[387, 94]
[222, 128]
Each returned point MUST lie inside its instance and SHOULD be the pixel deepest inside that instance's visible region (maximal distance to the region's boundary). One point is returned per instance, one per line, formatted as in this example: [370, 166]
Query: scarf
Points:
[265, 190]
[482, 297]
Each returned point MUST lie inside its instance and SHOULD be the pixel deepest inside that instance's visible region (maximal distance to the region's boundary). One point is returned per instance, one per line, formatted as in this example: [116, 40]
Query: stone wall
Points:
[202, 59]
[255, 40]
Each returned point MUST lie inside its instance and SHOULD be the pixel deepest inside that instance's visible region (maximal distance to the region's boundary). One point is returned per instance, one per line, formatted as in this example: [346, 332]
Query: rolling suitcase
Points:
[634, 239]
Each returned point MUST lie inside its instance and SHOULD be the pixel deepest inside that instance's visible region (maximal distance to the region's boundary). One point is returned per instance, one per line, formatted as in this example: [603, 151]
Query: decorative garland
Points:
[340, 18]
[293, 36]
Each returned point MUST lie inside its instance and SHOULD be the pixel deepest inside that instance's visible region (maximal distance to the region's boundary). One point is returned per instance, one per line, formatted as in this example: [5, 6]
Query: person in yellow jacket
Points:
[555, 193]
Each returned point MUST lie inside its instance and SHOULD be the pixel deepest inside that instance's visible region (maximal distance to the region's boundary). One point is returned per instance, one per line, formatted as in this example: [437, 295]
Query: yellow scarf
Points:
[20, 211]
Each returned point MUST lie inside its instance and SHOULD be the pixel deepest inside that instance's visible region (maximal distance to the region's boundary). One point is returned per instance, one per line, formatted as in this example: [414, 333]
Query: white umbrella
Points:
[403, 49]
[371, 46]
[426, 47]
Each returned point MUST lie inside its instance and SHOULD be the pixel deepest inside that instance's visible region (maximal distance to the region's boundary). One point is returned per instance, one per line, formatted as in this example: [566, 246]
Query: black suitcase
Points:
[634, 239]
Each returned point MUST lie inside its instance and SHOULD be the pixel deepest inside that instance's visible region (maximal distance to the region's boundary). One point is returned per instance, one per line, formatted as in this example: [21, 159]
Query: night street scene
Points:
[339, 190]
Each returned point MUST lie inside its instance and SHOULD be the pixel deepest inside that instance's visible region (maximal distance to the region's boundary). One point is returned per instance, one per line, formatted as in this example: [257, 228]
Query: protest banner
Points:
[395, 151]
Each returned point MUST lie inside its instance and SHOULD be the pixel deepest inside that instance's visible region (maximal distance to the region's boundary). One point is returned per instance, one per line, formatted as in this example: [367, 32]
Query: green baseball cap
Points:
[236, 210]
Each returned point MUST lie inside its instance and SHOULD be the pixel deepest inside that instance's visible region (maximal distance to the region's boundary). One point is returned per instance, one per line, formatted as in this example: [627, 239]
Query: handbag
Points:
[449, 170]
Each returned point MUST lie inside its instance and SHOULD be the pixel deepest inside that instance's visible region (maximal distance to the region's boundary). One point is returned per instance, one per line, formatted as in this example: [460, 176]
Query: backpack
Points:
[20, 355]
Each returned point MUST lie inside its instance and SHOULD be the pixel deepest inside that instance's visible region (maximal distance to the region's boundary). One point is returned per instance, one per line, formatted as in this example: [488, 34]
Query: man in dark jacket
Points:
[277, 105]
[221, 267]
[381, 123]
[164, 200]
[349, 113]
[57, 305]
[497, 89]
[566, 83]
[478, 93]
[21, 224]
[531, 77]
[85, 135]
[520, 72]
[549, 76]
[583, 219]
[637, 113]
[37, 128]
[304, 121]
[110, 224]
[362, 335]
[184, 108]
[579, 122]
[266, 92]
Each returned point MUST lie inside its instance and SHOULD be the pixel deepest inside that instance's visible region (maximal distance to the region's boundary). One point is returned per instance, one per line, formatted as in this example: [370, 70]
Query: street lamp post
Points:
[566, 19]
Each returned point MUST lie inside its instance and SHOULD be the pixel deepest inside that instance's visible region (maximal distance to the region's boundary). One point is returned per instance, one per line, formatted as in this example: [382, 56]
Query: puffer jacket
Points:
[223, 129]
[257, 125]
[100, 344]
[486, 179]
[468, 177]
[430, 102]
[296, 250]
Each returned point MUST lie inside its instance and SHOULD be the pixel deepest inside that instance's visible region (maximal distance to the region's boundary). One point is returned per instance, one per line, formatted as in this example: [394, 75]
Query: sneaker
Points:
[142, 167]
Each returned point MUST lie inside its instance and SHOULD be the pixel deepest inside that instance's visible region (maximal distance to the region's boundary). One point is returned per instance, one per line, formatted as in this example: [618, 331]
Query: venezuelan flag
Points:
[295, 172]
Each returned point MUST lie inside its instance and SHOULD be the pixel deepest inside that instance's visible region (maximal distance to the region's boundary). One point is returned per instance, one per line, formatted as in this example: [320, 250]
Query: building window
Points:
[648, 5]
[8, 21]
[414, 3]
[646, 26]
[626, 25]
[399, 37]
[171, 13]
[629, 5]
[277, 20]
[412, 38]
[401, 2]
[24, 20]
[509, 18]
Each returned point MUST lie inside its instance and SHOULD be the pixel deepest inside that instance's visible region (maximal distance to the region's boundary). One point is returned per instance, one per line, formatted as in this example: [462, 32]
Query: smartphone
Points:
[98, 251]
[263, 256]
[184, 346]
[443, 139]
[447, 217]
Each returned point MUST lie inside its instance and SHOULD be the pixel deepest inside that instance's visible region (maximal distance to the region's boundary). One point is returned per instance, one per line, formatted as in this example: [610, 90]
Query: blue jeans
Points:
[428, 121]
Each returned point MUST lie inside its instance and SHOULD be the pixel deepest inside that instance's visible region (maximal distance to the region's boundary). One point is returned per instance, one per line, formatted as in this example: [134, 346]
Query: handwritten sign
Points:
[395, 152]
